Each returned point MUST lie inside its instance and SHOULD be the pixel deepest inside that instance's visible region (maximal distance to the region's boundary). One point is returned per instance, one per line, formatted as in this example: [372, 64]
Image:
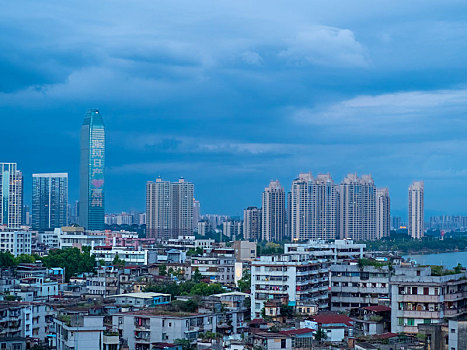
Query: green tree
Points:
[287, 310]
[196, 276]
[72, 259]
[321, 335]
[244, 285]
[163, 270]
[117, 261]
[185, 343]
[7, 259]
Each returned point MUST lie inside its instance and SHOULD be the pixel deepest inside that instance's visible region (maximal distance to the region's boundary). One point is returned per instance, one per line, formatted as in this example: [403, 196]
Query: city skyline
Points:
[329, 93]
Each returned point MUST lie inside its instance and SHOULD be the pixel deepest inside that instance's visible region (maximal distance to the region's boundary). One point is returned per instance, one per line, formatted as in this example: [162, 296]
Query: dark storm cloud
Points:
[232, 94]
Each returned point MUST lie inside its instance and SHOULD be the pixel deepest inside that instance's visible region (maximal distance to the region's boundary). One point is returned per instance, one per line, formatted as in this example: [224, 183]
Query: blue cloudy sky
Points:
[231, 94]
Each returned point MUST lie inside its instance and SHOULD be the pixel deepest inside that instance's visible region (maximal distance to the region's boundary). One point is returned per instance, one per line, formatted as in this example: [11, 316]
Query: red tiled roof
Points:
[333, 318]
[385, 335]
[297, 331]
[377, 308]
[257, 321]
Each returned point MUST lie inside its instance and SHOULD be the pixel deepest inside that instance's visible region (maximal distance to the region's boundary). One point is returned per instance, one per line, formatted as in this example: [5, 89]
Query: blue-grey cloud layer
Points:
[232, 94]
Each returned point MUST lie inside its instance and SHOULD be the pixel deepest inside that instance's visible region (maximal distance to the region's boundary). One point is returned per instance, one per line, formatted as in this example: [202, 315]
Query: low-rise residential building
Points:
[337, 326]
[15, 242]
[145, 327]
[418, 297]
[15, 319]
[104, 283]
[142, 299]
[336, 251]
[458, 333]
[294, 277]
[354, 286]
[218, 267]
[50, 239]
[13, 343]
[80, 332]
[244, 250]
[129, 255]
[77, 237]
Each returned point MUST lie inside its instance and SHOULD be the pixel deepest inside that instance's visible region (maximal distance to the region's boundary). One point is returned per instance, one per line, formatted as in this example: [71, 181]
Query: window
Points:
[453, 330]
[427, 320]
[410, 322]
[283, 343]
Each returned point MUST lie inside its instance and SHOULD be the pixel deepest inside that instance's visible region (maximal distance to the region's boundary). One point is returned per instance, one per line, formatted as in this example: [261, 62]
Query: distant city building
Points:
[196, 212]
[383, 213]
[313, 208]
[273, 213]
[203, 227]
[396, 222]
[169, 208]
[357, 208]
[49, 200]
[416, 207]
[91, 213]
[232, 228]
[300, 207]
[11, 195]
[252, 223]
[448, 223]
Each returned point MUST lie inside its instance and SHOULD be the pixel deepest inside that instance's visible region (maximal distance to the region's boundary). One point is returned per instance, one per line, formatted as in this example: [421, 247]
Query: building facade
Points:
[169, 208]
[416, 210]
[252, 223]
[273, 213]
[11, 195]
[15, 242]
[49, 201]
[357, 208]
[357, 287]
[92, 166]
[383, 213]
[296, 279]
[418, 297]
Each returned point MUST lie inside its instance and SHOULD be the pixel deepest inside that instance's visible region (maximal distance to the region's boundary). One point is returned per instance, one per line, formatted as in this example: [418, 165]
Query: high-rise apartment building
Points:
[383, 213]
[252, 223]
[196, 212]
[313, 207]
[49, 200]
[11, 195]
[324, 204]
[273, 214]
[415, 215]
[91, 213]
[300, 207]
[357, 208]
[169, 208]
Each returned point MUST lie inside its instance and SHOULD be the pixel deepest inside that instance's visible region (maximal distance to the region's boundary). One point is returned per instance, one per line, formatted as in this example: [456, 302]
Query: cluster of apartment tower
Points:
[318, 208]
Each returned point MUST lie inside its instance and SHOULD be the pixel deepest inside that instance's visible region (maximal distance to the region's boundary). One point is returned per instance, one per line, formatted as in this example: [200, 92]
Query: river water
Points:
[448, 260]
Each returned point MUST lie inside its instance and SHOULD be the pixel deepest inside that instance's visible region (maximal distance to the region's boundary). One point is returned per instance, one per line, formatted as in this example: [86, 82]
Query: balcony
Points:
[419, 298]
[422, 314]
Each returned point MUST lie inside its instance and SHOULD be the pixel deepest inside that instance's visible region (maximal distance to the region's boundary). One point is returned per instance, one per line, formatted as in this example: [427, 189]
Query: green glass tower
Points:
[91, 213]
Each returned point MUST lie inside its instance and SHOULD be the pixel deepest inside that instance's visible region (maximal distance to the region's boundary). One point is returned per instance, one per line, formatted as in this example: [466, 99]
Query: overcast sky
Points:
[232, 94]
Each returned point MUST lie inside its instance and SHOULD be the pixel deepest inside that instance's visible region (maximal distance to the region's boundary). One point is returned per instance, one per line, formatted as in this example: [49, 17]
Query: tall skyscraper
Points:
[196, 212]
[357, 208]
[252, 223]
[416, 208]
[383, 213]
[324, 204]
[91, 213]
[273, 213]
[313, 208]
[169, 208]
[49, 200]
[300, 207]
[11, 195]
